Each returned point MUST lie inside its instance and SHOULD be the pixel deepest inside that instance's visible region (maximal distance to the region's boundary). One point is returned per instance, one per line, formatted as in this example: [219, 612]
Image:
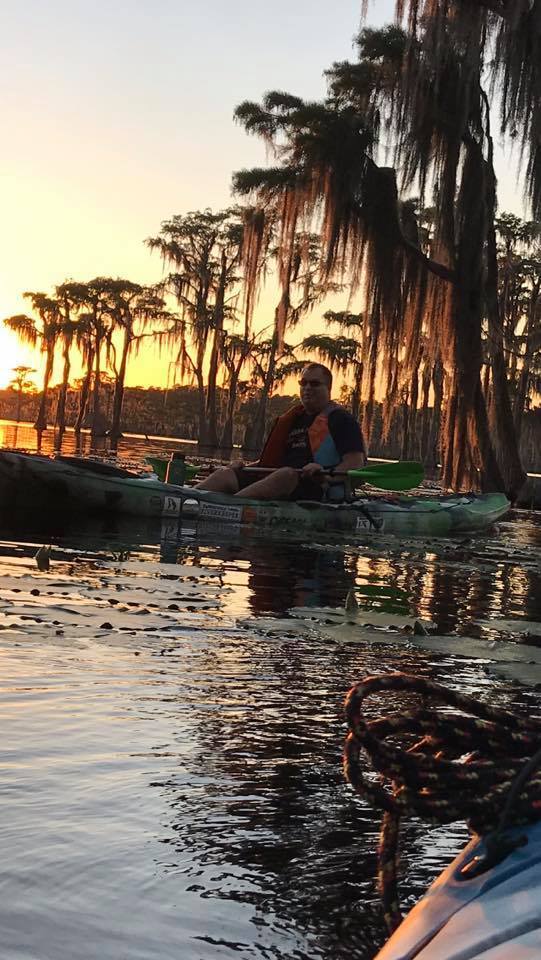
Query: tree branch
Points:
[438, 269]
[503, 8]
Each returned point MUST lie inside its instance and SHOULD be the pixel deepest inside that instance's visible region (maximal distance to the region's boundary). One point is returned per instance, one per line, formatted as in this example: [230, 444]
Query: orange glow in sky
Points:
[115, 117]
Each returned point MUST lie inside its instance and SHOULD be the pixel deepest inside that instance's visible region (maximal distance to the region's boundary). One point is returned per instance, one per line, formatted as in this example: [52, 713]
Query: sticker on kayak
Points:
[220, 511]
[362, 524]
[171, 506]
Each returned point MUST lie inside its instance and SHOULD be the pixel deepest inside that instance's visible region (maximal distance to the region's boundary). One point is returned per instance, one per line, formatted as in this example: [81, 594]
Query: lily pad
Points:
[370, 616]
[515, 661]
[516, 625]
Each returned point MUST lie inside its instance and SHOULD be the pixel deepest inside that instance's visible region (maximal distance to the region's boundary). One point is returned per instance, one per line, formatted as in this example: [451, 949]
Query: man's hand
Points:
[313, 470]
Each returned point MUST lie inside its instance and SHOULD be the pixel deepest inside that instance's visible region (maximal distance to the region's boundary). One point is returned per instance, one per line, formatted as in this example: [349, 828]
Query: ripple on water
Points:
[171, 779]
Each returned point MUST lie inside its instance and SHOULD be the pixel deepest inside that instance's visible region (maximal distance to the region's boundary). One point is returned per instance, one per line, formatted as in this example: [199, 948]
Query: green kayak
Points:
[90, 486]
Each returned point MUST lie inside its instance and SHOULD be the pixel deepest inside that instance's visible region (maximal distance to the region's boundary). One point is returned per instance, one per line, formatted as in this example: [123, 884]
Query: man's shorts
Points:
[306, 488]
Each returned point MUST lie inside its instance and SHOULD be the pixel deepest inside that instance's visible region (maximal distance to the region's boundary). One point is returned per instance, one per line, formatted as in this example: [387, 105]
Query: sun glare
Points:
[14, 354]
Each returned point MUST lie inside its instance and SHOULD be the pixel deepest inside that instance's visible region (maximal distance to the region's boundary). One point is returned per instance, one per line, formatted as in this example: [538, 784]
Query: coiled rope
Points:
[460, 760]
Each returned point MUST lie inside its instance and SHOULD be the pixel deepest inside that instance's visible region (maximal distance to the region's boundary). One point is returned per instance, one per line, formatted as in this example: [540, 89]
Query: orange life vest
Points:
[319, 436]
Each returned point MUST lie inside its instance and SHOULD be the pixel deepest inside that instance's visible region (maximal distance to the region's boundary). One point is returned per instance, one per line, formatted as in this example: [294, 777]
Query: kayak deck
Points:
[420, 516]
[493, 916]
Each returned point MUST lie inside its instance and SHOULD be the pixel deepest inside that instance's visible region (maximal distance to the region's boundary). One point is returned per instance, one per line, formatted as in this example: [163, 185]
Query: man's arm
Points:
[349, 441]
[351, 461]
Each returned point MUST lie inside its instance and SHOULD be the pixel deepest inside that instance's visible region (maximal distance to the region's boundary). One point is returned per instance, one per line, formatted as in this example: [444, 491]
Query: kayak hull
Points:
[493, 916]
[73, 483]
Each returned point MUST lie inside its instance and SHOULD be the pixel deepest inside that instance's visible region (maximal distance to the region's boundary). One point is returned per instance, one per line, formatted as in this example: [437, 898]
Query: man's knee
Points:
[222, 480]
[229, 476]
[287, 477]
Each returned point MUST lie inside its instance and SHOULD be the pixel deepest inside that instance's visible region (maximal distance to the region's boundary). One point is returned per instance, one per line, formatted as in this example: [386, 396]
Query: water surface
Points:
[172, 715]
[170, 780]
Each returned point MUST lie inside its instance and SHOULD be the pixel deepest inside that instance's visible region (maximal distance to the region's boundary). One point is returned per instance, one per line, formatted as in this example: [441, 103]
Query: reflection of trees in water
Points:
[271, 822]
[273, 825]
[281, 578]
[455, 586]
[520, 590]
[275, 813]
[279, 575]
[261, 811]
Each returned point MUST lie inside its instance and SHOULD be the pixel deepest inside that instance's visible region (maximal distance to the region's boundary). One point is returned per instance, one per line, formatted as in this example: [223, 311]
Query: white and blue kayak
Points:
[493, 915]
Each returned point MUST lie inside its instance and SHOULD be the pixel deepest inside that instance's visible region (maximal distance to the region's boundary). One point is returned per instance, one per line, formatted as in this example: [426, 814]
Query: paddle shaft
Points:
[401, 475]
[193, 470]
[390, 475]
[327, 473]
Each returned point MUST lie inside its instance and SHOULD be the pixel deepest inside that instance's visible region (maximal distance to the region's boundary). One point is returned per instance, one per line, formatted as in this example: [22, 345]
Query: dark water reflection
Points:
[170, 776]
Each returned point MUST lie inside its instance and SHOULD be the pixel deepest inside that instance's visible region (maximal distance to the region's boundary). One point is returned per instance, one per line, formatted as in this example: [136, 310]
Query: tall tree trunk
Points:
[425, 409]
[520, 399]
[406, 420]
[524, 376]
[488, 392]
[60, 421]
[257, 432]
[433, 447]
[84, 394]
[357, 391]
[486, 386]
[118, 398]
[98, 425]
[281, 319]
[41, 419]
[523, 380]
[469, 459]
[368, 421]
[413, 401]
[505, 438]
[215, 357]
[203, 444]
[226, 439]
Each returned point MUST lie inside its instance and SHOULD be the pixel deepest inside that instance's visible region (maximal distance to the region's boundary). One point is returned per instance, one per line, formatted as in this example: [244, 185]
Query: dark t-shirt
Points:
[343, 428]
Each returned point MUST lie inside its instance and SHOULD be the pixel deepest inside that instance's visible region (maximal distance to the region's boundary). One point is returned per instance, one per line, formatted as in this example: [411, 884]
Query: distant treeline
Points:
[175, 413]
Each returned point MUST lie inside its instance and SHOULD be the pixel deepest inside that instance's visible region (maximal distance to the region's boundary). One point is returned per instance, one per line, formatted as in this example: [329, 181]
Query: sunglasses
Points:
[311, 383]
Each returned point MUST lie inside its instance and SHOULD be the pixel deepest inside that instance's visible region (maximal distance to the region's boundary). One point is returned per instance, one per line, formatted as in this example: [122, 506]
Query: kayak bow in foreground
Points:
[493, 916]
[443, 756]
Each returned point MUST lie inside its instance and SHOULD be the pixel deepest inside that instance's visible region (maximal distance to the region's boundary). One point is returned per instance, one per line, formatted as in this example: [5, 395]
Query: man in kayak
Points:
[309, 440]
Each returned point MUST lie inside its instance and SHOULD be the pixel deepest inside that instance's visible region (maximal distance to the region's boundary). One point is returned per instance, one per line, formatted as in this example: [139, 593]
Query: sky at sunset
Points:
[117, 115]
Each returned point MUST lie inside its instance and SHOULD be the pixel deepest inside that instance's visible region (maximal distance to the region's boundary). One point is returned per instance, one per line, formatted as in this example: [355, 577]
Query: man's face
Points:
[314, 390]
